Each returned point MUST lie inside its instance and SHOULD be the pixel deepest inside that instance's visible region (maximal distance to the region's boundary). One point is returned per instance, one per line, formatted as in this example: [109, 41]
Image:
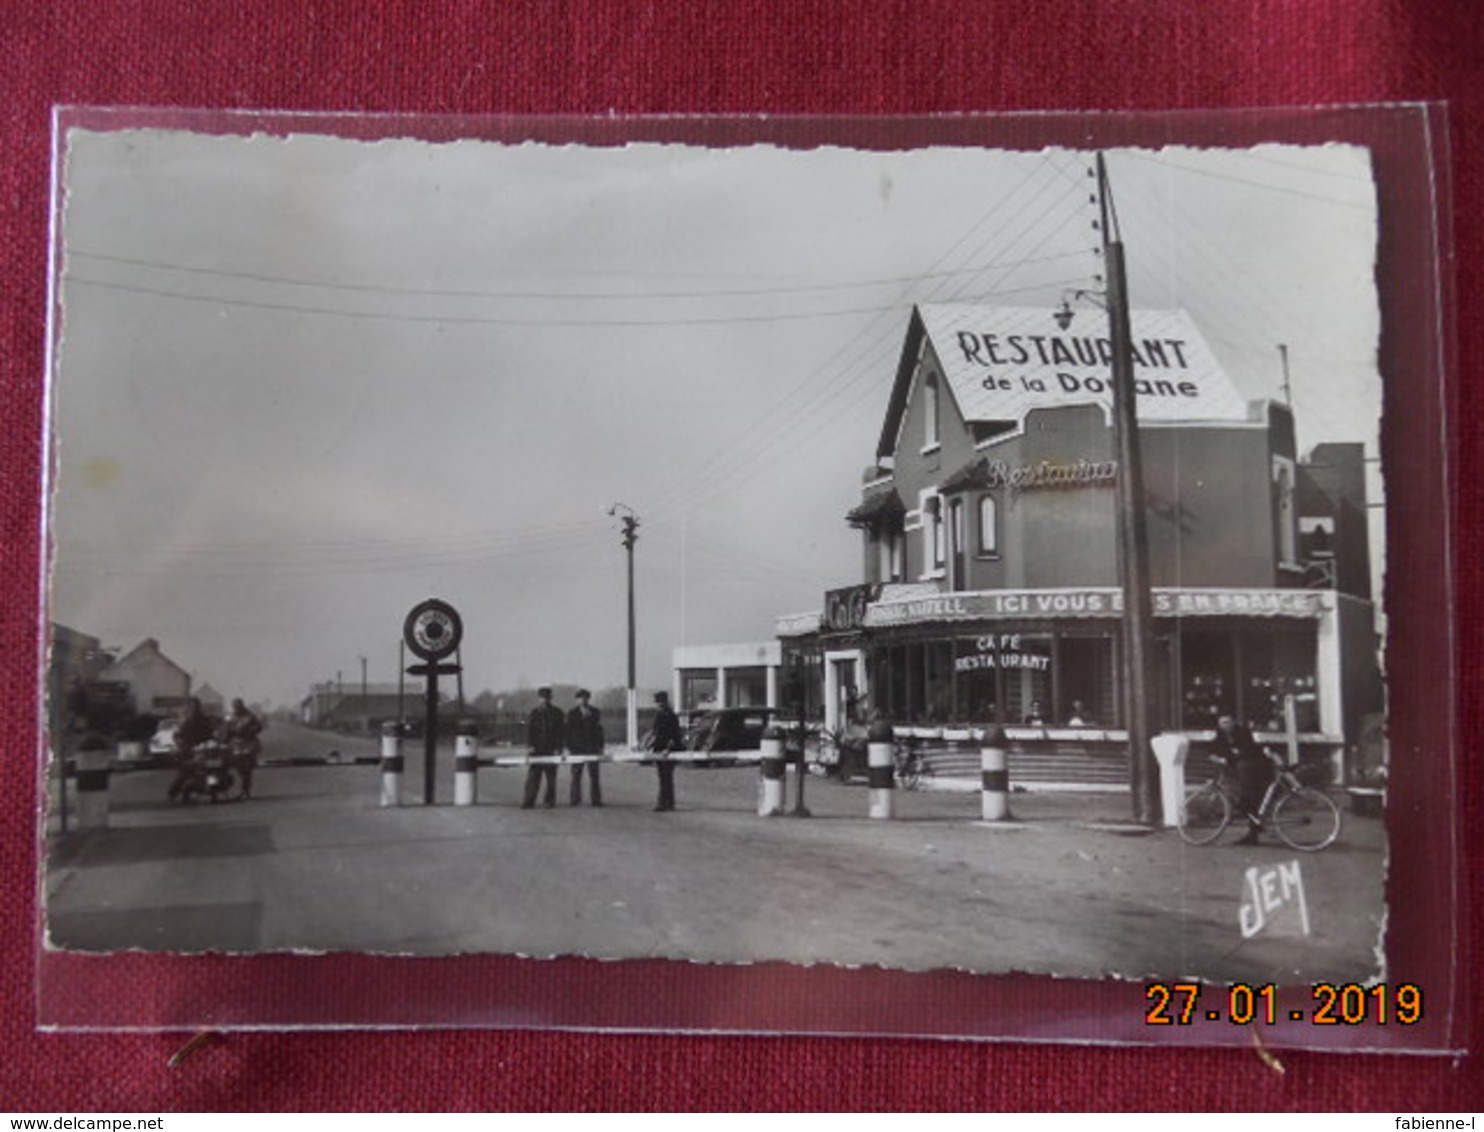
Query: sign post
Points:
[432, 630]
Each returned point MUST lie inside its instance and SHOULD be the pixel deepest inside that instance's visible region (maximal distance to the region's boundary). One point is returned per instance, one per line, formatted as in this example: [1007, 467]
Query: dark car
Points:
[729, 729]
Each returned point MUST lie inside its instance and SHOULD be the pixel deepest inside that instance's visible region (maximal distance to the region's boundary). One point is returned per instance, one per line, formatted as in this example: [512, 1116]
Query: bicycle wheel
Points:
[1207, 813]
[1306, 819]
[909, 771]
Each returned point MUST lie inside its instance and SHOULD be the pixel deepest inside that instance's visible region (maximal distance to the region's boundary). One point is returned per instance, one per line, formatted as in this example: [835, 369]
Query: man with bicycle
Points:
[1249, 765]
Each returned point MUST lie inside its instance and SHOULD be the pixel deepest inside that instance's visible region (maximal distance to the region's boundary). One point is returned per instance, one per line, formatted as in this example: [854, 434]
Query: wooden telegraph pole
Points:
[1133, 542]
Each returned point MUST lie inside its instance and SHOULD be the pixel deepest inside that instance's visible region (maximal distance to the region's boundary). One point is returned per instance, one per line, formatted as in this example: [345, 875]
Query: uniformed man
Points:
[667, 737]
[585, 737]
[544, 738]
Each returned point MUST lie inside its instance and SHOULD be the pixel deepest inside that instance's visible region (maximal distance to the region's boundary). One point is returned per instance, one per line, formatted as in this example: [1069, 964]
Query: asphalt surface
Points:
[314, 862]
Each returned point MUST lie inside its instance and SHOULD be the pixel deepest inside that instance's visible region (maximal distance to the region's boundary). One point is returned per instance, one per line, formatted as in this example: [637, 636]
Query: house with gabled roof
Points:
[989, 588]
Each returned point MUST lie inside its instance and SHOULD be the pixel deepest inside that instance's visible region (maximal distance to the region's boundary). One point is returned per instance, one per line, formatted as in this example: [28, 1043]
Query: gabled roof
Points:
[1002, 362]
[149, 644]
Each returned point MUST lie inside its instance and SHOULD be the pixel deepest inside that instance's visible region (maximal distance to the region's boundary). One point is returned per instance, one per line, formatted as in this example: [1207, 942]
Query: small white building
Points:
[729, 675]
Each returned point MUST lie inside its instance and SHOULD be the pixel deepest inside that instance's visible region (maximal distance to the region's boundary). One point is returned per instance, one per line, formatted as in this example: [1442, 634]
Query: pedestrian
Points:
[1251, 767]
[1036, 717]
[1080, 716]
[585, 737]
[243, 744]
[665, 737]
[544, 739]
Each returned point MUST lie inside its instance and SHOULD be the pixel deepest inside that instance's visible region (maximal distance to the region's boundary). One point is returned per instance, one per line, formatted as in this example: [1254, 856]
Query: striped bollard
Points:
[391, 764]
[92, 784]
[881, 769]
[770, 788]
[466, 765]
[995, 775]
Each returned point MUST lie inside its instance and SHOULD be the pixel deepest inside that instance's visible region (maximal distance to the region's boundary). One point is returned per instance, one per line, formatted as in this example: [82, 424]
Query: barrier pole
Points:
[466, 765]
[881, 769]
[391, 764]
[771, 764]
[1170, 751]
[92, 784]
[994, 768]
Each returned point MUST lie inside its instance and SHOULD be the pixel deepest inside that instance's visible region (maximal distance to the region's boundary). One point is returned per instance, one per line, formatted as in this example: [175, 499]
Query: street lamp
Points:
[1133, 542]
[630, 536]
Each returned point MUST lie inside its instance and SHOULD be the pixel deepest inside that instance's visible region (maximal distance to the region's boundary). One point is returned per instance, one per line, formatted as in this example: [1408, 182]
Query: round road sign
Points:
[433, 629]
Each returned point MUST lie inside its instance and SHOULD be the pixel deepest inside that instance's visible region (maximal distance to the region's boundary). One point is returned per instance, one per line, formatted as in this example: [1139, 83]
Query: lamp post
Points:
[630, 536]
[1133, 542]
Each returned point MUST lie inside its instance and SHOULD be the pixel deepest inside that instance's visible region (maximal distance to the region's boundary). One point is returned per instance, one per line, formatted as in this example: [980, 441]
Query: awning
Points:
[879, 503]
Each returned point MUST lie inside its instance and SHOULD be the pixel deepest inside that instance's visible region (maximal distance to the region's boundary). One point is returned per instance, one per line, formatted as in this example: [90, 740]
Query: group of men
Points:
[579, 731]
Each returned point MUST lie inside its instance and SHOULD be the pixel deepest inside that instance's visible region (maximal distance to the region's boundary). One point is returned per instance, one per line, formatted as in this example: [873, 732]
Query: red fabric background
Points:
[891, 56]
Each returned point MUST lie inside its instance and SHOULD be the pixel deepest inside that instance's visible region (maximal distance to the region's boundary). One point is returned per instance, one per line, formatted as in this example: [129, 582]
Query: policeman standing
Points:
[585, 737]
[667, 738]
[544, 738]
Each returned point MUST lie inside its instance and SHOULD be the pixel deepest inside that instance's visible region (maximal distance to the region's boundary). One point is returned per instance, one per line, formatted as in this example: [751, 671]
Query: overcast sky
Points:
[302, 384]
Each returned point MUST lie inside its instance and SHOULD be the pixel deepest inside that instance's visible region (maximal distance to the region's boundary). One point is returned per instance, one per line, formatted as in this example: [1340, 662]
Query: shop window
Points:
[747, 687]
[989, 527]
[1084, 682]
[1277, 665]
[697, 687]
[1208, 679]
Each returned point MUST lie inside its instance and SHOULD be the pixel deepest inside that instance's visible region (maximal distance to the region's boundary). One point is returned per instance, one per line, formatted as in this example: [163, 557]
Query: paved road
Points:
[313, 862]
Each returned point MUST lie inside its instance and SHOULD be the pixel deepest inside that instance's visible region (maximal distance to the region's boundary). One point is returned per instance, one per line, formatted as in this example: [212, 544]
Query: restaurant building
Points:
[989, 585]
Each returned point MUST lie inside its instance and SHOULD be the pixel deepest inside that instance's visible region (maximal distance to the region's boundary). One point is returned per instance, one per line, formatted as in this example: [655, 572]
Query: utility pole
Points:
[630, 536]
[1133, 542]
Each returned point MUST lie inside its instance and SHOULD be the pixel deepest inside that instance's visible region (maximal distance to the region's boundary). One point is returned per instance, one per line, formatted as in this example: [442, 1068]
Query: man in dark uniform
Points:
[666, 737]
[243, 728]
[585, 737]
[1251, 767]
[544, 738]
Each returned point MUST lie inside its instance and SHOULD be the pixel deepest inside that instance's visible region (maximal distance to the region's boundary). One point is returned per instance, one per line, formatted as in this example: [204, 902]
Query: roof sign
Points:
[1003, 362]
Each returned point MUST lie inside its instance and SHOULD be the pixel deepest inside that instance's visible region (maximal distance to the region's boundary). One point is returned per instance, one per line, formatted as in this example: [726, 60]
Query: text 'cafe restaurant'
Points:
[990, 586]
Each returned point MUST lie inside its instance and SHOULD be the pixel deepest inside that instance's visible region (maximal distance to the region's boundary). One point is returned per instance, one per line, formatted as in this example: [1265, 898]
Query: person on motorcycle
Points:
[192, 730]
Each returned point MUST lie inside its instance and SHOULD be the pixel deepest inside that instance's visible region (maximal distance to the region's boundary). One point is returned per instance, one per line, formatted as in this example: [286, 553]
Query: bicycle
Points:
[911, 768]
[1304, 818]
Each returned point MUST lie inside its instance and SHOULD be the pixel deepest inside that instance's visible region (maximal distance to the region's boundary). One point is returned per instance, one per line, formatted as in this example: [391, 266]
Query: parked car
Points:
[729, 729]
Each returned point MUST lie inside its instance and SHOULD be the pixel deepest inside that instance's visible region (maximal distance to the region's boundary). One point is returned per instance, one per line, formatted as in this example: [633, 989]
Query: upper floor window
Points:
[1285, 511]
[931, 432]
[892, 566]
[936, 516]
[989, 526]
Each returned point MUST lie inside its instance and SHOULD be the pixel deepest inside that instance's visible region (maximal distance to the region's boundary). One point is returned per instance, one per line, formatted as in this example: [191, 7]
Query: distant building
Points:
[346, 707]
[156, 684]
[73, 663]
[212, 701]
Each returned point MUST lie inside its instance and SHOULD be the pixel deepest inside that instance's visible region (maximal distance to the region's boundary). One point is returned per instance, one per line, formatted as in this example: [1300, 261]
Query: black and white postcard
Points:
[675, 468]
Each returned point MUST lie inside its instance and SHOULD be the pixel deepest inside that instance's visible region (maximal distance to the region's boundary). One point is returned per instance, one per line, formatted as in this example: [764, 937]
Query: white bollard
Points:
[1170, 750]
[994, 770]
[770, 785]
[881, 770]
[391, 764]
[466, 766]
[92, 785]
